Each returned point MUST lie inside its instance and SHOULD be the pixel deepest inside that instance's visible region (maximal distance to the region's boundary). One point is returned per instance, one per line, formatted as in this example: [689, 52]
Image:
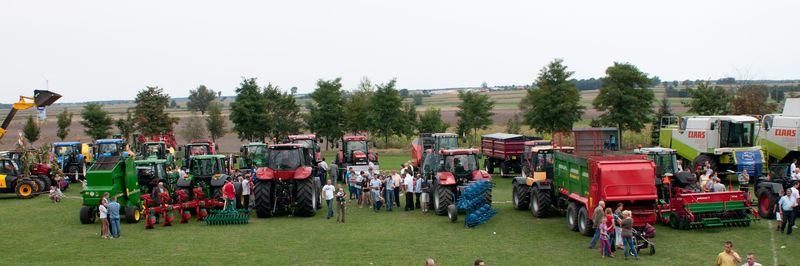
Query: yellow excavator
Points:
[41, 98]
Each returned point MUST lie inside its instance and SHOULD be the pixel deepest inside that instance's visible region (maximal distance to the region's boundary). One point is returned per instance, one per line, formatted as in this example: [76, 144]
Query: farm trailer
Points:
[504, 151]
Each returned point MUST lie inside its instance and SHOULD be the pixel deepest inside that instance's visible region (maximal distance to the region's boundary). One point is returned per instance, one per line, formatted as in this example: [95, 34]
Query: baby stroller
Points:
[643, 239]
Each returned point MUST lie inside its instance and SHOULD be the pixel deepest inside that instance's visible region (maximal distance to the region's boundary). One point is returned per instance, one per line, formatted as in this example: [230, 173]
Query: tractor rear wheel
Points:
[519, 197]
[442, 197]
[88, 215]
[132, 214]
[766, 200]
[583, 222]
[540, 202]
[572, 217]
[263, 199]
[306, 200]
[25, 188]
[487, 165]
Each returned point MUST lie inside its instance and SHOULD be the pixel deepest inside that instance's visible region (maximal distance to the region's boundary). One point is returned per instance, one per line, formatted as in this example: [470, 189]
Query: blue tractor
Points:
[104, 148]
[71, 159]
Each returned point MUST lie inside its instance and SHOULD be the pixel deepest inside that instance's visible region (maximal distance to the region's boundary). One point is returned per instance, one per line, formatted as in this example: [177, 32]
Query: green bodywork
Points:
[571, 173]
[718, 207]
[253, 155]
[158, 167]
[688, 152]
[161, 152]
[115, 175]
[207, 171]
[775, 150]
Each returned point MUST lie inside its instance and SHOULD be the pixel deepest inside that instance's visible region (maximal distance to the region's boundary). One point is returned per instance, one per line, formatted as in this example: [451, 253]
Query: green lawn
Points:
[40, 232]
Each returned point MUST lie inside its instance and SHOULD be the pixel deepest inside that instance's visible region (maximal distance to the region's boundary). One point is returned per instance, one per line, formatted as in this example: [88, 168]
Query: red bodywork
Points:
[503, 149]
[200, 204]
[40, 169]
[313, 137]
[358, 154]
[626, 179]
[447, 178]
[302, 172]
[678, 203]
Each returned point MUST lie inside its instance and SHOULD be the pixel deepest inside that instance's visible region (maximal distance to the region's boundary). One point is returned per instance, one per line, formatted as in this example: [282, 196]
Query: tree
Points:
[200, 98]
[64, 120]
[385, 113]
[194, 128]
[248, 113]
[293, 90]
[624, 100]
[474, 112]
[31, 130]
[554, 104]
[126, 125]
[326, 109]
[150, 112]
[417, 98]
[96, 121]
[431, 121]
[513, 125]
[173, 104]
[357, 107]
[283, 113]
[403, 93]
[215, 122]
[707, 99]
[752, 100]
[409, 126]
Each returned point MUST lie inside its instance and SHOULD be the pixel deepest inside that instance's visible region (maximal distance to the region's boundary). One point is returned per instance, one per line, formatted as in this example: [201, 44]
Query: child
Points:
[605, 246]
[341, 203]
[55, 194]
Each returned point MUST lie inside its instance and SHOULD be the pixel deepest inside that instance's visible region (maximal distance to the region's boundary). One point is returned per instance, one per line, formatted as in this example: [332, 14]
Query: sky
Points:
[104, 50]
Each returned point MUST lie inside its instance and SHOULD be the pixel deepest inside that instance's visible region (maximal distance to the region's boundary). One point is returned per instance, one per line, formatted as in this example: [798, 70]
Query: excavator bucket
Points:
[44, 98]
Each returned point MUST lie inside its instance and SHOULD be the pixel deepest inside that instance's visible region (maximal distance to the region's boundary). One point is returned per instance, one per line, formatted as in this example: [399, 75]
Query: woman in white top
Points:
[103, 221]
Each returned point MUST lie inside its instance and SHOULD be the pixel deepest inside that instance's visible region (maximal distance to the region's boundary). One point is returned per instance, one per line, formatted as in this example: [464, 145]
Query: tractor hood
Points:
[359, 155]
[481, 175]
[266, 173]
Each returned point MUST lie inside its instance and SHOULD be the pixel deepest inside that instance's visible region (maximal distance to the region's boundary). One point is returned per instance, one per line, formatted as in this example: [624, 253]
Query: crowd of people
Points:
[109, 217]
[382, 190]
[613, 230]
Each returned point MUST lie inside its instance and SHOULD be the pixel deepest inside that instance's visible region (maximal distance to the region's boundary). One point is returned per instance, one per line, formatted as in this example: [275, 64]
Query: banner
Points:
[750, 161]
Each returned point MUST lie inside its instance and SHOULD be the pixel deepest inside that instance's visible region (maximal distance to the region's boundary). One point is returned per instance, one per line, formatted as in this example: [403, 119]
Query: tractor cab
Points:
[252, 155]
[666, 162]
[537, 159]
[154, 150]
[150, 172]
[63, 150]
[309, 142]
[110, 148]
[8, 167]
[286, 157]
[355, 150]
[461, 164]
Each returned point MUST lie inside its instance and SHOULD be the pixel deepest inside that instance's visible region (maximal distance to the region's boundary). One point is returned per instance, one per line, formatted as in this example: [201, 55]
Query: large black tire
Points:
[487, 165]
[584, 226]
[701, 161]
[306, 199]
[572, 217]
[40, 185]
[71, 170]
[263, 199]
[452, 213]
[504, 169]
[47, 182]
[88, 215]
[132, 214]
[519, 196]
[766, 202]
[540, 202]
[443, 196]
[25, 188]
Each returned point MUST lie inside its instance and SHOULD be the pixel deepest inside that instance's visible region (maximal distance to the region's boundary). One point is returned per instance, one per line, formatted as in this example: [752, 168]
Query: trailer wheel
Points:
[572, 217]
[132, 214]
[487, 165]
[442, 197]
[25, 188]
[583, 222]
[673, 221]
[766, 200]
[518, 194]
[540, 202]
[503, 169]
[87, 215]
[263, 199]
[306, 200]
[452, 213]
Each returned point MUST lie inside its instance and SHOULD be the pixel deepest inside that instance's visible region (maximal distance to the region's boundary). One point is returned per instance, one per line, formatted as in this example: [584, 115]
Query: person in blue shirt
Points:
[786, 209]
[113, 217]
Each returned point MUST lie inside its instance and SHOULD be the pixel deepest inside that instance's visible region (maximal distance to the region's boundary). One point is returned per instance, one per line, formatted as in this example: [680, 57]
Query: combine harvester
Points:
[779, 136]
[682, 204]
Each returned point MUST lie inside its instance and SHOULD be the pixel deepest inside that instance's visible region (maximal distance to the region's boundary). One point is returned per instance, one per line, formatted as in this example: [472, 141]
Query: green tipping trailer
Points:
[117, 176]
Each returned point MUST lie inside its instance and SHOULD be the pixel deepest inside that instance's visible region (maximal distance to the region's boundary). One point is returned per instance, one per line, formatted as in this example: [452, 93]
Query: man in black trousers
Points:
[408, 186]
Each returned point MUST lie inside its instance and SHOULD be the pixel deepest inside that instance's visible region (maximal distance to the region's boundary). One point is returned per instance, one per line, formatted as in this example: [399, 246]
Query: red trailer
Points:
[503, 150]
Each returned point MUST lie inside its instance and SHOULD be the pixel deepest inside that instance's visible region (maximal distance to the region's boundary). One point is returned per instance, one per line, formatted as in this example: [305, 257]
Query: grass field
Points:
[39, 232]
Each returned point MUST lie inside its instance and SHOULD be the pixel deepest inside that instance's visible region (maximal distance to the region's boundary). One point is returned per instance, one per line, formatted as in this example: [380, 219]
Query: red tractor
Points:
[286, 184]
[428, 143]
[309, 141]
[455, 168]
[355, 153]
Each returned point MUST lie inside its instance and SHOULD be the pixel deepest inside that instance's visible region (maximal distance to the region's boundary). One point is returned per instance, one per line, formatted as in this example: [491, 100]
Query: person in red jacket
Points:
[229, 194]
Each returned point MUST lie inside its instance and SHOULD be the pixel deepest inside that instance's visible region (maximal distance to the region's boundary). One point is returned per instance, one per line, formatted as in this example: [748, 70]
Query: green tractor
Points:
[151, 171]
[252, 155]
[115, 175]
[207, 171]
[156, 150]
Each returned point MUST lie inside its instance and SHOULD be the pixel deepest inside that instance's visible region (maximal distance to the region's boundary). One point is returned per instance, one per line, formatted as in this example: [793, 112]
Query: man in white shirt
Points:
[408, 186]
[398, 183]
[794, 197]
[327, 192]
[246, 192]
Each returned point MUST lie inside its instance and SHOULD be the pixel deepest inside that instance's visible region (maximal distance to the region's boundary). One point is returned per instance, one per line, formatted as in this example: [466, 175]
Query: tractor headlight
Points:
[91, 193]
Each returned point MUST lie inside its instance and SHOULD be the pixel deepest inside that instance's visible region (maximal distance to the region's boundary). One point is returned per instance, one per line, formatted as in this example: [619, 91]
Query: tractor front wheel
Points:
[766, 200]
[306, 198]
[519, 196]
[442, 197]
[25, 188]
[583, 222]
[452, 213]
[87, 215]
[132, 214]
[263, 199]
